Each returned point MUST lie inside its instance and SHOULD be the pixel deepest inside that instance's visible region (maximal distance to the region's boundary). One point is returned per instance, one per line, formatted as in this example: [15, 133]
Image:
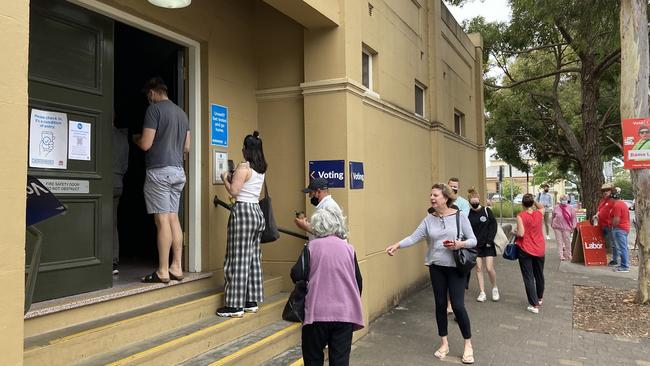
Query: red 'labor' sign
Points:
[589, 245]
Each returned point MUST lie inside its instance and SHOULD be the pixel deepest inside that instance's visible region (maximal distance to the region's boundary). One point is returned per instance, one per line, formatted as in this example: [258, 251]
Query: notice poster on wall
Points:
[79, 141]
[636, 143]
[48, 140]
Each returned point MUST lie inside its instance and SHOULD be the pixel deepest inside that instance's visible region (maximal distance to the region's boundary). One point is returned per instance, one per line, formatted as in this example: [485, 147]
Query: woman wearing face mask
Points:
[484, 225]
[440, 231]
[242, 268]
[563, 222]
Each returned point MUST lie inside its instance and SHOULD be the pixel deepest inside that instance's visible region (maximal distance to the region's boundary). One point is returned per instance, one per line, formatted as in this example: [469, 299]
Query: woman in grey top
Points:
[440, 231]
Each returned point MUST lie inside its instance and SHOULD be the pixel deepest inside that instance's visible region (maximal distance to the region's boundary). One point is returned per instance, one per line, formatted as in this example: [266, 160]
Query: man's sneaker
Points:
[250, 307]
[481, 297]
[116, 271]
[495, 294]
[612, 263]
[230, 312]
[621, 270]
[533, 309]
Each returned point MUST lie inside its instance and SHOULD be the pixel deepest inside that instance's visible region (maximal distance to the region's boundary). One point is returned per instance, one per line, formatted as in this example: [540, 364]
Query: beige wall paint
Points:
[14, 30]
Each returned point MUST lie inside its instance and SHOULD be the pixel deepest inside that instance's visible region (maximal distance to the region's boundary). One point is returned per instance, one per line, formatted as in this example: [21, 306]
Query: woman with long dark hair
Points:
[443, 236]
[242, 266]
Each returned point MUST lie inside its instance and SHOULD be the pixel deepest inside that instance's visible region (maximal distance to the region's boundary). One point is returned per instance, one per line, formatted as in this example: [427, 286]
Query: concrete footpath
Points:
[503, 332]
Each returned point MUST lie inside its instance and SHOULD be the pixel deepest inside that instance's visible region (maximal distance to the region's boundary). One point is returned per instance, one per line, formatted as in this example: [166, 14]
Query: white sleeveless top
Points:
[251, 190]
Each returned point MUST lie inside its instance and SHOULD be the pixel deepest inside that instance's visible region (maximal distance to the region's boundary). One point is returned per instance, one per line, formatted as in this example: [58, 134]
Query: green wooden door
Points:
[71, 82]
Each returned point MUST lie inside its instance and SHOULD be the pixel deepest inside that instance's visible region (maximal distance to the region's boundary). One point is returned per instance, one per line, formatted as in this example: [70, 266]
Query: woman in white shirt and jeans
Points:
[242, 267]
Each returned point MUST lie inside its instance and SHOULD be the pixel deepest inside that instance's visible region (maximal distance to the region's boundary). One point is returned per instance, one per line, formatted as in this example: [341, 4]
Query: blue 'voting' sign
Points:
[219, 125]
[356, 175]
[332, 170]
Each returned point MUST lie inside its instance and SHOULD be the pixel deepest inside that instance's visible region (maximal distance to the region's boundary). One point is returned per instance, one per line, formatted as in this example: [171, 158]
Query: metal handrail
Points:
[218, 202]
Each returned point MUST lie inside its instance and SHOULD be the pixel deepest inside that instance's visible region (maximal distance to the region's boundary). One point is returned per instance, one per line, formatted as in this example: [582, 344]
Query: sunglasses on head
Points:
[644, 131]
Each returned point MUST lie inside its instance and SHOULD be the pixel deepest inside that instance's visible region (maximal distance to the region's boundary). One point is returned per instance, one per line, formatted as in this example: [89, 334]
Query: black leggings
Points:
[532, 271]
[447, 280]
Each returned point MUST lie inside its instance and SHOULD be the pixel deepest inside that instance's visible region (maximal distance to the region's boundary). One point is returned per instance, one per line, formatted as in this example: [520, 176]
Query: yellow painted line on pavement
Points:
[256, 345]
[298, 362]
[135, 318]
[177, 341]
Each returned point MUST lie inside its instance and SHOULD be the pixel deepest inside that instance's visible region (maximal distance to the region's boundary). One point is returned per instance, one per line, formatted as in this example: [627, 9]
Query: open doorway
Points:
[138, 57]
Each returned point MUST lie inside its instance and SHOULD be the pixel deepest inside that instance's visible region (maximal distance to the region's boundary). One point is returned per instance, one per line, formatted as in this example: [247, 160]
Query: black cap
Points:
[317, 183]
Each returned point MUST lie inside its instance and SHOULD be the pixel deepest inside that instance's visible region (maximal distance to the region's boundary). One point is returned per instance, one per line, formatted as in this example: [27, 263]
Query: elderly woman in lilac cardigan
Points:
[333, 303]
[563, 221]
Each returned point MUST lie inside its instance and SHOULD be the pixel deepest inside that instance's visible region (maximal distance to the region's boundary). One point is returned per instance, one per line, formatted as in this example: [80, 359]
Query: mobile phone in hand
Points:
[447, 243]
[299, 214]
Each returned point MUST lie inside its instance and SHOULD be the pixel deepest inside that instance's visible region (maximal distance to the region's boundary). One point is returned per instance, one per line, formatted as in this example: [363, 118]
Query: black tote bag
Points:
[465, 258]
[294, 309]
[270, 233]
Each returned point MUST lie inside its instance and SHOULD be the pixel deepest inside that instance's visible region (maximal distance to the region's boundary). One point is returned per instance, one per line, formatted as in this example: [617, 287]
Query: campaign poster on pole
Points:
[48, 139]
[636, 143]
[79, 146]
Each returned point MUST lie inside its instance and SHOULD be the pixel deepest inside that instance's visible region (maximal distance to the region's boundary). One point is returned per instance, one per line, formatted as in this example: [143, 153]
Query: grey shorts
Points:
[162, 189]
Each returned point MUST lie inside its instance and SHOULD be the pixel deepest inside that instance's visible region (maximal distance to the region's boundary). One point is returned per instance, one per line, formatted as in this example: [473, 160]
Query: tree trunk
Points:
[591, 165]
[634, 103]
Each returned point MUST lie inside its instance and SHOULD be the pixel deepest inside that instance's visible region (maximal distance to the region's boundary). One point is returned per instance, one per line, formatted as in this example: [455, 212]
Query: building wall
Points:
[300, 86]
[14, 30]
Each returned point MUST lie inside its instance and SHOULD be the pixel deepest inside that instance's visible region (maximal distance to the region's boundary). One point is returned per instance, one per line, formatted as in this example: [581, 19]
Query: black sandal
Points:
[175, 278]
[153, 278]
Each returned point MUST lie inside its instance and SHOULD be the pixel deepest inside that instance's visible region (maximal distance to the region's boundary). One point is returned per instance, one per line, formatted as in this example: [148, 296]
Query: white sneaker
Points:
[495, 294]
[533, 309]
[481, 297]
[548, 237]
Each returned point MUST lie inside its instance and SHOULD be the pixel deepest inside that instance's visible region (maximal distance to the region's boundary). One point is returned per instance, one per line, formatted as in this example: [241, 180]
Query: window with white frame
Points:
[459, 123]
[419, 99]
[366, 69]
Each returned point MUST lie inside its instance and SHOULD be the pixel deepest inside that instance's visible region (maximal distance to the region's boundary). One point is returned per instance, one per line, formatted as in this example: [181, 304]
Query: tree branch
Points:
[533, 49]
[606, 115]
[569, 40]
[607, 62]
[561, 122]
[543, 76]
[615, 143]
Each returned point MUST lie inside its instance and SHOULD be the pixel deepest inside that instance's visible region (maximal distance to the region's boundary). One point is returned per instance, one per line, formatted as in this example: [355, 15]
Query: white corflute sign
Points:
[48, 139]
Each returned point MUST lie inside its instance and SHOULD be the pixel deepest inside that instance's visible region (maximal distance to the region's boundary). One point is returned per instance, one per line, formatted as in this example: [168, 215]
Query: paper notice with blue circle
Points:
[332, 170]
[356, 175]
[218, 125]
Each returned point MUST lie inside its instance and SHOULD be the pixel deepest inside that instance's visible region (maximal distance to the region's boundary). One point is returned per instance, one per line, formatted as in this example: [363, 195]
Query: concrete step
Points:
[291, 357]
[77, 343]
[180, 344]
[53, 315]
[251, 349]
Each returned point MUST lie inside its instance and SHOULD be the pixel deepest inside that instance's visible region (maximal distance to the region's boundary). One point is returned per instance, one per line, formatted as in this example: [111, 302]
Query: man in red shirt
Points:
[604, 206]
[620, 227]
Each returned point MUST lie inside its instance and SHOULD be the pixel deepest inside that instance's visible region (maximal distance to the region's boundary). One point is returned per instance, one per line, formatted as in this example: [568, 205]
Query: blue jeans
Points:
[610, 241]
[619, 238]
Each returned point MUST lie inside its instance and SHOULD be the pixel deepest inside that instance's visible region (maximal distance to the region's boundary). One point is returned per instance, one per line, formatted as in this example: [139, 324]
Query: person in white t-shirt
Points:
[320, 197]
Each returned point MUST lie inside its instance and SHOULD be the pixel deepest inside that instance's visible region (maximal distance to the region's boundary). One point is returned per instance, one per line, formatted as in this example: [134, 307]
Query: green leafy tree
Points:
[505, 189]
[557, 98]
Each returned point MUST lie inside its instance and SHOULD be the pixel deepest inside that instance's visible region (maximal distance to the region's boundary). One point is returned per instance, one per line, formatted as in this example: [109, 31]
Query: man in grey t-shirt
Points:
[165, 137]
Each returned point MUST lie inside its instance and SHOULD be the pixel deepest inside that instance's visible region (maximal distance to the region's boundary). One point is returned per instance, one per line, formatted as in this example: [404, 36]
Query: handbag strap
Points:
[266, 189]
[304, 261]
[458, 225]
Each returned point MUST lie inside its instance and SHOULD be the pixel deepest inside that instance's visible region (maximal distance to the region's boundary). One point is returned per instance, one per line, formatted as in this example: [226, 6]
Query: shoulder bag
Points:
[511, 250]
[294, 309]
[500, 239]
[270, 233]
[465, 258]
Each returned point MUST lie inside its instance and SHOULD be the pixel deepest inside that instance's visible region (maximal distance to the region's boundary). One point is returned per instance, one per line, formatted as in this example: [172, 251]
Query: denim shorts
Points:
[162, 189]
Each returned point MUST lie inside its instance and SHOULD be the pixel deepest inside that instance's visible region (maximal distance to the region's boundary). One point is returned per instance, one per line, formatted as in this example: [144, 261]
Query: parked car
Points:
[630, 204]
[495, 197]
[518, 198]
